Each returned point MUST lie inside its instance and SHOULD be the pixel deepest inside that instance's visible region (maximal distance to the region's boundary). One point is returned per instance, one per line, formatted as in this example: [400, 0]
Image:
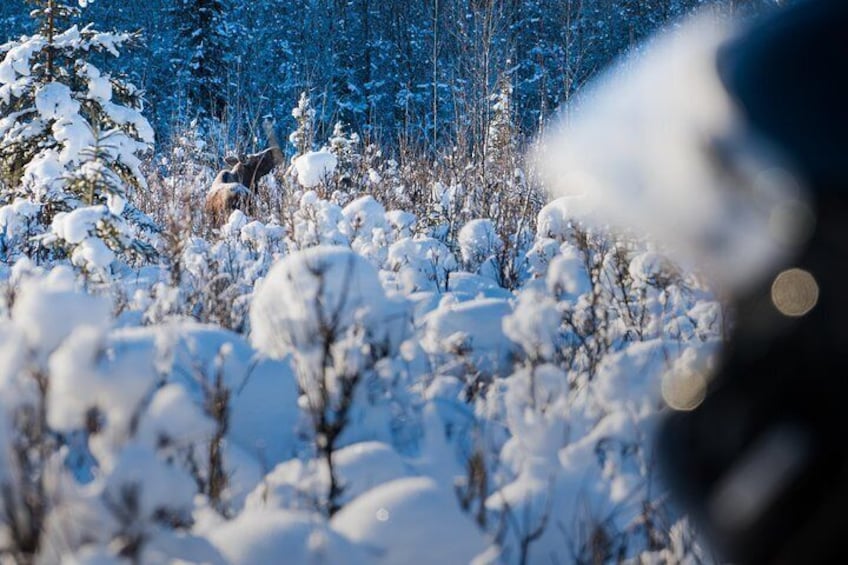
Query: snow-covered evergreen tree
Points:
[501, 136]
[304, 135]
[71, 138]
[344, 145]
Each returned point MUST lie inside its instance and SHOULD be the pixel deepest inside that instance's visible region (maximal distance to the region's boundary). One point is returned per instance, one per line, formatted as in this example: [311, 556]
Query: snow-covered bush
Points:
[326, 308]
[480, 244]
[314, 168]
[317, 221]
[421, 263]
[366, 227]
[80, 392]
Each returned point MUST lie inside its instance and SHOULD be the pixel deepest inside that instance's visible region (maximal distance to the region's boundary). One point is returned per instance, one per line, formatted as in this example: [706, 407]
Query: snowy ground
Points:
[469, 421]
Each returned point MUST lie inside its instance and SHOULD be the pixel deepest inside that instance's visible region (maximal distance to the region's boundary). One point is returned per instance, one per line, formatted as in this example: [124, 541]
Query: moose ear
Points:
[266, 161]
[231, 160]
[279, 158]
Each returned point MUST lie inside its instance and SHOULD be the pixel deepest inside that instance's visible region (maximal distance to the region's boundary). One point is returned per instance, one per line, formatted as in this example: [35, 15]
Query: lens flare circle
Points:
[794, 292]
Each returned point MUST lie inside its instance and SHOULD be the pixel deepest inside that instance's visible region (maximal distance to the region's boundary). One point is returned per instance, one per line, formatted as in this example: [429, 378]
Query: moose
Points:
[233, 188]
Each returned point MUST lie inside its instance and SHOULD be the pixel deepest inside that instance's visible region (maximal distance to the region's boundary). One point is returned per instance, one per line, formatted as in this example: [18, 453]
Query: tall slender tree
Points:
[202, 54]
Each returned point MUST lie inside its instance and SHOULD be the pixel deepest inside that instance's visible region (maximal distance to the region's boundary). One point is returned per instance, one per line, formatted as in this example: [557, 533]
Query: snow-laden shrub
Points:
[422, 263]
[344, 146]
[304, 136]
[366, 226]
[314, 168]
[448, 198]
[540, 256]
[38, 305]
[402, 224]
[536, 413]
[466, 338]
[479, 243]
[567, 277]
[83, 382]
[364, 215]
[317, 221]
[325, 307]
[315, 291]
[653, 269]
[535, 325]
[555, 220]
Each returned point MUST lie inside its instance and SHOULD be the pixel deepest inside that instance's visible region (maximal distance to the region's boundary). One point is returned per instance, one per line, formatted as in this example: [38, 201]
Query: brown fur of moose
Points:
[232, 189]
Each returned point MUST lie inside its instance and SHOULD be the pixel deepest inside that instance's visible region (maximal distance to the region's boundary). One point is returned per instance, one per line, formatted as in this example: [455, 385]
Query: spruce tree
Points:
[303, 137]
[501, 134]
[201, 60]
[71, 142]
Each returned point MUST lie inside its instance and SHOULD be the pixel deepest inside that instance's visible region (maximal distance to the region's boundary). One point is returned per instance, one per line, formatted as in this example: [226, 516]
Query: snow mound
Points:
[368, 464]
[49, 310]
[411, 521]
[402, 223]
[282, 536]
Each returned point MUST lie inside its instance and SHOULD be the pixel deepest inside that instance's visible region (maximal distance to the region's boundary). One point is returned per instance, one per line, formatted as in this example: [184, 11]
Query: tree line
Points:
[406, 74]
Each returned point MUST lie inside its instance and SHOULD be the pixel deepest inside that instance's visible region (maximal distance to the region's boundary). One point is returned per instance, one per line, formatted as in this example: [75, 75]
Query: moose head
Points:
[248, 169]
[233, 188]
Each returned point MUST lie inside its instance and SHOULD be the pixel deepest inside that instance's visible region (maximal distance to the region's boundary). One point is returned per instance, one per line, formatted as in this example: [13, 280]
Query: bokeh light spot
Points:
[794, 292]
[684, 390]
[791, 223]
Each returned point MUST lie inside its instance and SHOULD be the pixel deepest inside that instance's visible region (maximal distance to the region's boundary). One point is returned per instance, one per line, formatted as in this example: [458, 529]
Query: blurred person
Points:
[729, 144]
